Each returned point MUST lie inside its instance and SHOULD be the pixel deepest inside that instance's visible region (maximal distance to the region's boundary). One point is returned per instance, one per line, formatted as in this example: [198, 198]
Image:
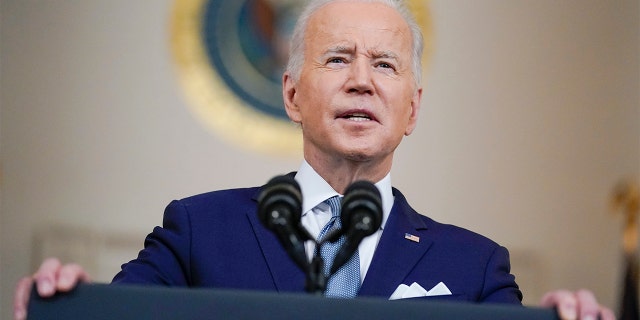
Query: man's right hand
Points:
[51, 277]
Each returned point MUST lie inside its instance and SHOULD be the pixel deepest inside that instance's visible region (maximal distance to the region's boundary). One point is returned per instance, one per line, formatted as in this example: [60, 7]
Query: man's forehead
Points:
[358, 21]
[380, 42]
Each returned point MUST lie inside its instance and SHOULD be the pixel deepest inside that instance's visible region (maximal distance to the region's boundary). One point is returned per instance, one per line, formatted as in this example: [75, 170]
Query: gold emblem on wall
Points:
[230, 56]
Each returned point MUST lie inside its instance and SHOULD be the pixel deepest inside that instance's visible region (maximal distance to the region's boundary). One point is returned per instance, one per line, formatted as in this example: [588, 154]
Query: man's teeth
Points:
[358, 117]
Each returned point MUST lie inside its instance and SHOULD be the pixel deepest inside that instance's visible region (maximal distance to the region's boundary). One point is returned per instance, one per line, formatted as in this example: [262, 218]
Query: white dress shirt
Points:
[316, 214]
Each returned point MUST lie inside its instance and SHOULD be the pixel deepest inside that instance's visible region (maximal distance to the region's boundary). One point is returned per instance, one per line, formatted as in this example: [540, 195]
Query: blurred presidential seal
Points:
[230, 56]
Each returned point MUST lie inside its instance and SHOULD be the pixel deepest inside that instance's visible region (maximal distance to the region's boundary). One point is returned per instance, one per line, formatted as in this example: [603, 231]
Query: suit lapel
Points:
[395, 255]
[286, 275]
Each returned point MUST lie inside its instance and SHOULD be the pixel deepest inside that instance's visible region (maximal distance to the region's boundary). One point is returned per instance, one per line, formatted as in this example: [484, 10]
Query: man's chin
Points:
[362, 154]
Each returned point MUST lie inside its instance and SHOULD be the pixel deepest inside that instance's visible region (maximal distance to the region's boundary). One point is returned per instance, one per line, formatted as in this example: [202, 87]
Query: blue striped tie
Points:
[345, 283]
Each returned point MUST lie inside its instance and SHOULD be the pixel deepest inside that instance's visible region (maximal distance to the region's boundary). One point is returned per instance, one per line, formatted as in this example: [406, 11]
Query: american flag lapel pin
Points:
[411, 237]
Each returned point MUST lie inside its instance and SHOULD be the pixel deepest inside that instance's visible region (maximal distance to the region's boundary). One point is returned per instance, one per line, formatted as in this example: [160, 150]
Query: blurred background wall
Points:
[531, 115]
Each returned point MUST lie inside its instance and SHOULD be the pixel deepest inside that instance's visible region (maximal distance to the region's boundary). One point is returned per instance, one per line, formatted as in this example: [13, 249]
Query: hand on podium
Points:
[581, 304]
[51, 277]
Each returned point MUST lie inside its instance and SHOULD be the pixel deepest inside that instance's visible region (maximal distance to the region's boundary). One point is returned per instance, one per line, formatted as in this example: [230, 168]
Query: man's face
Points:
[356, 97]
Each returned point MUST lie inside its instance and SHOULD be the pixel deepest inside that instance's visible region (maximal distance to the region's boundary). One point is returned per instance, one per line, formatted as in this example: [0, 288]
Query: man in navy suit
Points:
[353, 85]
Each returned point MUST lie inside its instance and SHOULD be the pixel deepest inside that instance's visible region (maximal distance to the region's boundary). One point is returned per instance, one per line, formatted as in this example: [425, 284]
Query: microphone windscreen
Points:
[281, 193]
[361, 198]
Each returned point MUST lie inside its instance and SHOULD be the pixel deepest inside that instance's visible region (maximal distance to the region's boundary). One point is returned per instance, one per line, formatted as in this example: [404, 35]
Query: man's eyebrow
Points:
[375, 54]
[384, 55]
[339, 49]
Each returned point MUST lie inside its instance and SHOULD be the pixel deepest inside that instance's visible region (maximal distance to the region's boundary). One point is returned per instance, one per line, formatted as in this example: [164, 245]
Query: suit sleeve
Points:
[165, 259]
[499, 284]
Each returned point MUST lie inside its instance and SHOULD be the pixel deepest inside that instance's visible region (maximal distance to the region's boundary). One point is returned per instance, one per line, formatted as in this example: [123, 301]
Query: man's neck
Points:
[339, 173]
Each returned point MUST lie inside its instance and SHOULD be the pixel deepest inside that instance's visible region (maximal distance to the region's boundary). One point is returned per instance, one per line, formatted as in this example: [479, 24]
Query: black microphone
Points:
[361, 216]
[280, 209]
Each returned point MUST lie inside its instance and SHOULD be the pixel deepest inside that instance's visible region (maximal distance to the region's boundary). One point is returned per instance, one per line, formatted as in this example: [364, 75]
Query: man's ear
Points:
[289, 97]
[415, 111]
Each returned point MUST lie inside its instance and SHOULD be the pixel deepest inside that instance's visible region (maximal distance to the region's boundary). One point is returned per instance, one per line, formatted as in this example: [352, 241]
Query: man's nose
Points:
[360, 77]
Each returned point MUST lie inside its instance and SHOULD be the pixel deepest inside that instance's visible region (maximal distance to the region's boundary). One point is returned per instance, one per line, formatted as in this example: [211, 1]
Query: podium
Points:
[102, 301]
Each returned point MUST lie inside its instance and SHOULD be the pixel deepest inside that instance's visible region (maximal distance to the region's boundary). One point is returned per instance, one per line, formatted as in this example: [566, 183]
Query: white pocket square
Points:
[415, 290]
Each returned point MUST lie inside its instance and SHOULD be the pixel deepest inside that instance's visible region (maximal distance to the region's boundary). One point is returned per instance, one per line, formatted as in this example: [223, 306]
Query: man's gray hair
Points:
[296, 51]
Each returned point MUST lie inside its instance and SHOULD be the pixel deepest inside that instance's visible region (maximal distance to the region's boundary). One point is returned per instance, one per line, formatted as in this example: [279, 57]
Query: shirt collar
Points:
[316, 190]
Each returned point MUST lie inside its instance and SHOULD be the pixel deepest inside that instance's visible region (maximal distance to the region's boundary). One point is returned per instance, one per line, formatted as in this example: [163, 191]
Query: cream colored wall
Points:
[531, 114]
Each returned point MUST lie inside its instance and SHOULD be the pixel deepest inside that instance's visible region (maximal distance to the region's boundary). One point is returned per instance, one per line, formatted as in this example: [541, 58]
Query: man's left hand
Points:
[581, 304]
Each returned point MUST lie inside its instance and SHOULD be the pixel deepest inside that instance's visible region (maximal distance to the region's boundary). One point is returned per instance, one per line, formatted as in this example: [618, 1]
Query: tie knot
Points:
[334, 203]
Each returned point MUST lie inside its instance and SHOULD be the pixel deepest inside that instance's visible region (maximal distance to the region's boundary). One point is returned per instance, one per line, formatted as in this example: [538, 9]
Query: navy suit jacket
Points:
[216, 240]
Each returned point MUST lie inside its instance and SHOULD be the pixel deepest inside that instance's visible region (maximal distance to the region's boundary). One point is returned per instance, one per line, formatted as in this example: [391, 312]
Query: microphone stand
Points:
[316, 279]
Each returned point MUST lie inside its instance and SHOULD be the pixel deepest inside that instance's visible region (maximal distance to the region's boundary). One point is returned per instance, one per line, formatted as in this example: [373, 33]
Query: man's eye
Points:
[385, 65]
[336, 60]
